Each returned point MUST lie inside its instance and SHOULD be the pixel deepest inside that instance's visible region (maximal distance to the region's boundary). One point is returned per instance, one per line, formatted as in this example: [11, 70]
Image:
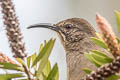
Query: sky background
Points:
[52, 11]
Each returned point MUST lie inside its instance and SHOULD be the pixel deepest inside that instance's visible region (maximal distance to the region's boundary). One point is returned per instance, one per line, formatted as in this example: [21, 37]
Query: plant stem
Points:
[27, 72]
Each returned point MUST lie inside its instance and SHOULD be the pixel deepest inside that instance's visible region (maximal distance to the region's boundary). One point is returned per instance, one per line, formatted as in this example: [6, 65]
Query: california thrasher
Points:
[75, 36]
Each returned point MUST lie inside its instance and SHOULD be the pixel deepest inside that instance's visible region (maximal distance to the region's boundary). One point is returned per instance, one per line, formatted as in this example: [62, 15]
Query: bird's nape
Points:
[45, 25]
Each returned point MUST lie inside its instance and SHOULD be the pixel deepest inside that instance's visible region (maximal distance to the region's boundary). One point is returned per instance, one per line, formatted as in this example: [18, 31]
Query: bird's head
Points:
[70, 30]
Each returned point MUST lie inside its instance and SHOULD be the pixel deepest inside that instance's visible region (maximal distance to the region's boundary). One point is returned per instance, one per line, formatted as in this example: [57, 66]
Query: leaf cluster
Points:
[38, 65]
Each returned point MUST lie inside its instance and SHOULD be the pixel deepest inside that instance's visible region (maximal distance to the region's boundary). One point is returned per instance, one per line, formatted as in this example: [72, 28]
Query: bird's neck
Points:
[81, 46]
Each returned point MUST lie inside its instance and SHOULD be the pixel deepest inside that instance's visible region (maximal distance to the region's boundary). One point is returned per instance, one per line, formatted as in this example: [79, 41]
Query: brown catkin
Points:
[108, 35]
[105, 71]
[12, 29]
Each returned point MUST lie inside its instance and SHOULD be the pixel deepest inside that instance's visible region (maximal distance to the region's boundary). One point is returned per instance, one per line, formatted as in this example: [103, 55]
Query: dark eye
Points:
[68, 26]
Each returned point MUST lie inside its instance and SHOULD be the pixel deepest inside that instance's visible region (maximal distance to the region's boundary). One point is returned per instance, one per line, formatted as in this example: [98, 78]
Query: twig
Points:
[27, 72]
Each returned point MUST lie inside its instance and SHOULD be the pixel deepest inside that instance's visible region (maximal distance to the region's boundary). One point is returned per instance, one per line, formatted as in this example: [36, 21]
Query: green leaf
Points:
[117, 14]
[100, 53]
[41, 47]
[86, 70]
[114, 77]
[47, 68]
[10, 76]
[41, 67]
[118, 40]
[45, 51]
[45, 42]
[105, 57]
[99, 58]
[57, 75]
[99, 36]
[44, 77]
[53, 73]
[91, 59]
[99, 42]
[33, 59]
[20, 61]
[28, 62]
[10, 66]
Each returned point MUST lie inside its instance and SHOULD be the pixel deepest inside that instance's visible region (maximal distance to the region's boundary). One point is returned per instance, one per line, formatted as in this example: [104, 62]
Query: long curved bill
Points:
[45, 25]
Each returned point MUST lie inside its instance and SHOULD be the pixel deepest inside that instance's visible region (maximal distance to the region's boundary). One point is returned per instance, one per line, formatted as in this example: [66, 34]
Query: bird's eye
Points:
[68, 26]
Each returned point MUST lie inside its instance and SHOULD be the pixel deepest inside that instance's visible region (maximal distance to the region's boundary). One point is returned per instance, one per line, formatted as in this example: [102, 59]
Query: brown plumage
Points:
[75, 36]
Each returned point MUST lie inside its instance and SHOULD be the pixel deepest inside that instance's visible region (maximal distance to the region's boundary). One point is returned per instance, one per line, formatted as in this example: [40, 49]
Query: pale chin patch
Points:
[62, 37]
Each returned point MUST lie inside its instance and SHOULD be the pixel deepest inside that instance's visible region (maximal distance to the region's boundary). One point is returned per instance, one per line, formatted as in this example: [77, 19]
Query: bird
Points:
[74, 34]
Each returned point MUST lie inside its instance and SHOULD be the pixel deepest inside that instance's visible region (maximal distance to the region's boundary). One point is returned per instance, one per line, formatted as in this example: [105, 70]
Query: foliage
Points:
[99, 58]
[38, 65]
[117, 14]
